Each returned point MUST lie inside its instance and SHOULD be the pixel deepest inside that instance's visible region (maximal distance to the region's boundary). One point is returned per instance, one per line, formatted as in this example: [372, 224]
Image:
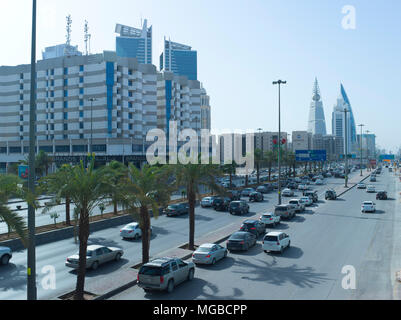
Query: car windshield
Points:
[173, 207]
[234, 204]
[237, 236]
[271, 238]
[294, 202]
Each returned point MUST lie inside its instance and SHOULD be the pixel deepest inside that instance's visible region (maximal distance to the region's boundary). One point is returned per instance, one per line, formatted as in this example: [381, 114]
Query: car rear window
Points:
[203, 249]
[154, 270]
[173, 207]
[281, 209]
[234, 204]
[237, 236]
[267, 216]
[271, 238]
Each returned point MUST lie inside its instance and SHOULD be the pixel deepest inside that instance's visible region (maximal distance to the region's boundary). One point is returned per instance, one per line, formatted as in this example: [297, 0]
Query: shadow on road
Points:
[220, 265]
[104, 269]
[12, 277]
[290, 253]
[103, 242]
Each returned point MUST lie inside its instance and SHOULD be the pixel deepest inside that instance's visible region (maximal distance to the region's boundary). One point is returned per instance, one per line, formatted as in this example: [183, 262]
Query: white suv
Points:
[5, 255]
[270, 218]
[299, 206]
[307, 201]
[276, 241]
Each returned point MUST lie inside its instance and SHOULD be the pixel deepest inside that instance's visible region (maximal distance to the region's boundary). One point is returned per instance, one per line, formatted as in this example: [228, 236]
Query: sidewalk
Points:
[126, 278]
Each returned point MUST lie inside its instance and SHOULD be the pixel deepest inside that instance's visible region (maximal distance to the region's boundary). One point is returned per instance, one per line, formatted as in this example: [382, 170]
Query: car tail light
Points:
[278, 243]
[242, 242]
[208, 256]
[271, 218]
[137, 277]
[121, 230]
[131, 231]
[253, 228]
[161, 279]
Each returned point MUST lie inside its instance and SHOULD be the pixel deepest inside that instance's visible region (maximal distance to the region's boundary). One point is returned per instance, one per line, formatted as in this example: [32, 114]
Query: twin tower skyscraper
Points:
[317, 121]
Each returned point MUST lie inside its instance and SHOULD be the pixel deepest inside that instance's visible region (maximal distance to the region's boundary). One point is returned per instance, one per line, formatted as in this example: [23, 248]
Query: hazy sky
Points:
[242, 47]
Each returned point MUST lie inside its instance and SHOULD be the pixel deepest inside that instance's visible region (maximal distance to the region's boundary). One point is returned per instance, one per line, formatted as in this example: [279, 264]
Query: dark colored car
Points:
[381, 195]
[372, 179]
[241, 241]
[268, 186]
[221, 204]
[311, 194]
[238, 207]
[256, 196]
[292, 185]
[330, 195]
[262, 189]
[234, 195]
[253, 226]
[177, 209]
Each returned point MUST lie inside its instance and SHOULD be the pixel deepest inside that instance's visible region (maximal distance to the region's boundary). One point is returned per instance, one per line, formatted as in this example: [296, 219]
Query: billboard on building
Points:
[23, 171]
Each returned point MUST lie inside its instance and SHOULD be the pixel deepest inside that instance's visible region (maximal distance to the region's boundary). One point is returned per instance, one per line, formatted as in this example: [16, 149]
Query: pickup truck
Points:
[5, 255]
[299, 206]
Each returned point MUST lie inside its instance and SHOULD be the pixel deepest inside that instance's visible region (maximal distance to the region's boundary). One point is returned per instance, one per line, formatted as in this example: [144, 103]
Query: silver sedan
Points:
[95, 256]
[209, 253]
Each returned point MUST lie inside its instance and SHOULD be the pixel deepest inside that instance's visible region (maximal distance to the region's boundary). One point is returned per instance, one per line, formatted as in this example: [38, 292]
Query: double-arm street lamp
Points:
[346, 146]
[279, 83]
[361, 125]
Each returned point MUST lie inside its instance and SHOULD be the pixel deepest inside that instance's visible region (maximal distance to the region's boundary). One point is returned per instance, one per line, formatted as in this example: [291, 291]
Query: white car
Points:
[287, 193]
[361, 186]
[206, 202]
[5, 255]
[306, 201]
[132, 231]
[95, 256]
[270, 218]
[299, 206]
[276, 241]
[303, 187]
[319, 182]
[368, 206]
[209, 253]
[370, 189]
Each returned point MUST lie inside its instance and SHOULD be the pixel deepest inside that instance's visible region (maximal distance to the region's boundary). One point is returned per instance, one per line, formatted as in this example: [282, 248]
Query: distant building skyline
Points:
[317, 121]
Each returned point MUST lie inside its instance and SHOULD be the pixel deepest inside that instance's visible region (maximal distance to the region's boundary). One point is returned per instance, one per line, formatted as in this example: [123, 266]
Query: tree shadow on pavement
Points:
[12, 277]
[271, 273]
[291, 253]
[220, 265]
[104, 269]
[103, 242]
[199, 217]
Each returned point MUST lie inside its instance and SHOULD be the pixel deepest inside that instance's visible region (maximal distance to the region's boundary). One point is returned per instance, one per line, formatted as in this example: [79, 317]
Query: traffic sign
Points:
[310, 155]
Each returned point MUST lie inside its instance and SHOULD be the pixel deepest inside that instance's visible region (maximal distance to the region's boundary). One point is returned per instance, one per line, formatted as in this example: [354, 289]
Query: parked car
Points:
[246, 192]
[311, 194]
[132, 231]
[221, 204]
[299, 206]
[287, 193]
[276, 241]
[319, 182]
[5, 255]
[176, 209]
[256, 197]
[95, 256]
[164, 274]
[368, 206]
[238, 207]
[206, 202]
[381, 195]
[306, 200]
[255, 227]
[297, 180]
[285, 211]
[209, 253]
[330, 195]
[234, 195]
[372, 179]
[370, 189]
[270, 219]
[241, 240]
[262, 189]
[292, 185]
[361, 185]
[269, 187]
[303, 187]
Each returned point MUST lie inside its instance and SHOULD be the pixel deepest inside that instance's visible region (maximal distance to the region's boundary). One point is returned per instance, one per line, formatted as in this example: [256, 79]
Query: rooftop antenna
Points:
[87, 38]
[68, 36]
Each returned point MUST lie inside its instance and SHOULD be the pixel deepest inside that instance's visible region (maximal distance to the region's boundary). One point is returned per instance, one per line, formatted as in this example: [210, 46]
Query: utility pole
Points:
[279, 82]
[361, 125]
[346, 147]
[31, 259]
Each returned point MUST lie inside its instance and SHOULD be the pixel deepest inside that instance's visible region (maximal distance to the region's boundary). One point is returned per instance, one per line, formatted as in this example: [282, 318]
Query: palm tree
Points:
[192, 176]
[230, 169]
[259, 158]
[58, 183]
[10, 185]
[146, 188]
[118, 176]
[87, 189]
[270, 158]
[42, 163]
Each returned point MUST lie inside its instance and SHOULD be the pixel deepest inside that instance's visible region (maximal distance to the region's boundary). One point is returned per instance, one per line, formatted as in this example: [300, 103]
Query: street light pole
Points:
[279, 82]
[31, 258]
[346, 148]
[361, 125]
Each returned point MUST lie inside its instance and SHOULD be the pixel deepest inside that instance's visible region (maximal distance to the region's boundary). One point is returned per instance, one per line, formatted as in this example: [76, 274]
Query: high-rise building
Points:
[317, 121]
[67, 123]
[205, 110]
[368, 145]
[179, 59]
[338, 121]
[301, 140]
[265, 141]
[135, 43]
[59, 51]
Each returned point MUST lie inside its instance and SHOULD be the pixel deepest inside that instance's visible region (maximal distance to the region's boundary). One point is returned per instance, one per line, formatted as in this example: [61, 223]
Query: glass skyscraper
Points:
[317, 122]
[179, 59]
[135, 43]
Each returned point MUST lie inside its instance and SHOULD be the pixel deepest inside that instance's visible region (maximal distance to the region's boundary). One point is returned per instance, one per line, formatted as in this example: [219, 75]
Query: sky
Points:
[243, 46]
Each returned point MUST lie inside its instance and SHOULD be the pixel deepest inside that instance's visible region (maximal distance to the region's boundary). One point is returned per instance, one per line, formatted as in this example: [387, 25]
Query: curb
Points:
[353, 186]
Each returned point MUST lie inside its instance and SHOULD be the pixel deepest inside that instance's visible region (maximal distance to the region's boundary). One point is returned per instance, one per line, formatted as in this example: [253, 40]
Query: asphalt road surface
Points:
[171, 232]
[323, 240]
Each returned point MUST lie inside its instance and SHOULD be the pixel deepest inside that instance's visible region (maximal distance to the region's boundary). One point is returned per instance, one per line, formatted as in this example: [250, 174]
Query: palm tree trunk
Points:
[67, 211]
[231, 180]
[191, 200]
[83, 243]
[258, 172]
[115, 207]
[145, 228]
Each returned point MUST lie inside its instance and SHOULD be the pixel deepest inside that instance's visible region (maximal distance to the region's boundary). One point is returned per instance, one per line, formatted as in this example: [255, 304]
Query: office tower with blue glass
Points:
[135, 43]
[179, 59]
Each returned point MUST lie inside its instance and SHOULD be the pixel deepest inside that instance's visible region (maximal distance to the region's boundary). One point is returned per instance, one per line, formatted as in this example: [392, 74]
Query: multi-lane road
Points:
[325, 238]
